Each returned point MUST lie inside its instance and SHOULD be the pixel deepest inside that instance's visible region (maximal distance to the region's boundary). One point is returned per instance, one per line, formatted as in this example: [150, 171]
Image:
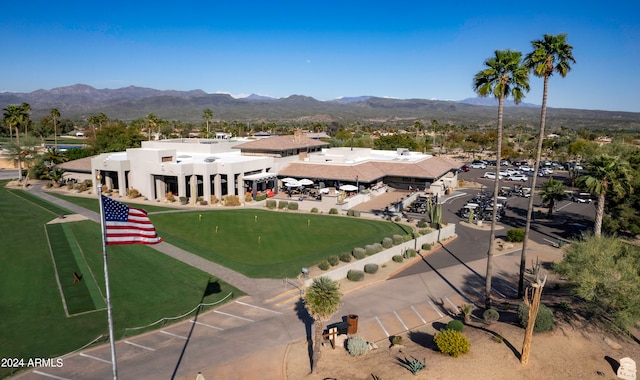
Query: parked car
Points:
[478, 165]
[491, 175]
[581, 197]
[464, 168]
[511, 171]
[525, 168]
[518, 177]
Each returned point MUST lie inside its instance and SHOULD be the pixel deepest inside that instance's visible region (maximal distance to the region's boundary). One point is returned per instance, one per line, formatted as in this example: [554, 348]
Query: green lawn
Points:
[261, 243]
[94, 205]
[145, 285]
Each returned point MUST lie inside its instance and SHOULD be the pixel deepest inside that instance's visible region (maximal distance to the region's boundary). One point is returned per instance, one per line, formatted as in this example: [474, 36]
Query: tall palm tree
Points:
[25, 119]
[55, 114]
[322, 299]
[17, 115]
[607, 175]
[207, 115]
[552, 191]
[504, 76]
[552, 54]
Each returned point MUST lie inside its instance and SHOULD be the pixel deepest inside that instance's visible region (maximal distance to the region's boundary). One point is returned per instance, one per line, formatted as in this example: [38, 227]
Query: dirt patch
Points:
[567, 352]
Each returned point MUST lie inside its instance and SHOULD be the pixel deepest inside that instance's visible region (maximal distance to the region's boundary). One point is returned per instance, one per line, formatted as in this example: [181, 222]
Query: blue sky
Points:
[402, 49]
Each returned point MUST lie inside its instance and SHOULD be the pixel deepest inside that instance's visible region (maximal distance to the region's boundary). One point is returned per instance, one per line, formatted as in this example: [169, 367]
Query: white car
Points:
[478, 165]
[491, 175]
[511, 171]
[525, 169]
[518, 177]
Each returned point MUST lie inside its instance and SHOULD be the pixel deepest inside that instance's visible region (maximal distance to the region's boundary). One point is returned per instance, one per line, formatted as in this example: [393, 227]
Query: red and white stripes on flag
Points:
[127, 225]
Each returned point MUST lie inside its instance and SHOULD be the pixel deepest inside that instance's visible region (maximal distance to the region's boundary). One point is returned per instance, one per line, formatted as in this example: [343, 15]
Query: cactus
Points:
[472, 215]
[435, 213]
[414, 365]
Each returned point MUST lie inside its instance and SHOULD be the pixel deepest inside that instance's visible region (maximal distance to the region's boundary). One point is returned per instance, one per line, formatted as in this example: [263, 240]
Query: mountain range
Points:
[79, 101]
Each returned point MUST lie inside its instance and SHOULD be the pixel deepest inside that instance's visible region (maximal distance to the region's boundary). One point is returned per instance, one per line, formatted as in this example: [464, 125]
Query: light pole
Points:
[357, 185]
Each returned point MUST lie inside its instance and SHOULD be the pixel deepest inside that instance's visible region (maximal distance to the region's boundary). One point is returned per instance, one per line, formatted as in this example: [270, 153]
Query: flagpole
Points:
[106, 280]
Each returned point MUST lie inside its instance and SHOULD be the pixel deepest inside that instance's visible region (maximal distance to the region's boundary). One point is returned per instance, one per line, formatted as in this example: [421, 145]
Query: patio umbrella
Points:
[348, 188]
[292, 184]
[305, 182]
[288, 179]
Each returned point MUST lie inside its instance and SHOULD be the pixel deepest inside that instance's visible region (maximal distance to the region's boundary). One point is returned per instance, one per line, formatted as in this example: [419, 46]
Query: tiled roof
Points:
[432, 168]
[82, 165]
[280, 143]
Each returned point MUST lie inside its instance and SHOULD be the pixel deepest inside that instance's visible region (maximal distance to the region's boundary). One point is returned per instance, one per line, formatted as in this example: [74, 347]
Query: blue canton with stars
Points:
[115, 211]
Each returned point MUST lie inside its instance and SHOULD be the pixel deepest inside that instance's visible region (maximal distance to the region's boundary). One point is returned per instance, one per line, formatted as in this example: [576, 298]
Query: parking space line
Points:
[50, 376]
[206, 324]
[455, 308]
[418, 314]
[140, 346]
[382, 327]
[401, 321]
[436, 309]
[95, 358]
[172, 334]
[233, 316]
[258, 307]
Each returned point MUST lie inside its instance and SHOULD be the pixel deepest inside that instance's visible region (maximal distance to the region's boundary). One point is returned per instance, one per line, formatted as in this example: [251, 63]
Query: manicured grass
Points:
[94, 205]
[146, 285]
[271, 244]
[54, 209]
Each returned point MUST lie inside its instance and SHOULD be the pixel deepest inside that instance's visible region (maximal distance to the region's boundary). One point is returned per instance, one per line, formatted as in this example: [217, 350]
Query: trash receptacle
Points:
[352, 320]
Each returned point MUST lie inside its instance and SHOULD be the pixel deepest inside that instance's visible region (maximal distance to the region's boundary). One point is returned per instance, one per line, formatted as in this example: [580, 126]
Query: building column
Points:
[206, 188]
[122, 183]
[182, 185]
[217, 185]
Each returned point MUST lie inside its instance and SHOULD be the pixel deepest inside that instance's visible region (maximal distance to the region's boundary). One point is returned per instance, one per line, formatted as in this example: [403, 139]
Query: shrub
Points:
[133, 193]
[231, 200]
[397, 258]
[407, 237]
[214, 199]
[544, 320]
[333, 260]
[357, 346]
[409, 253]
[515, 235]
[355, 275]
[333, 211]
[426, 246]
[491, 315]
[452, 342]
[397, 239]
[359, 253]
[283, 204]
[324, 265]
[355, 213]
[397, 219]
[203, 203]
[455, 324]
[271, 204]
[345, 257]
[314, 210]
[183, 200]
[170, 197]
[261, 197]
[292, 206]
[373, 248]
[422, 223]
[370, 268]
[248, 197]
[396, 340]
[387, 242]
[424, 231]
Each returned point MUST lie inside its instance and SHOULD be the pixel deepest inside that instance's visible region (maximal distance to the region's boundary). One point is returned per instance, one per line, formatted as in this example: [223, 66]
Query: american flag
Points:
[127, 225]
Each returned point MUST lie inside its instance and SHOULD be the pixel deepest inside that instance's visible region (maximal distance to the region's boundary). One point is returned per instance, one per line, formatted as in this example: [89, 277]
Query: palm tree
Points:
[549, 55]
[207, 115]
[607, 175]
[503, 76]
[322, 299]
[16, 115]
[24, 116]
[552, 191]
[55, 114]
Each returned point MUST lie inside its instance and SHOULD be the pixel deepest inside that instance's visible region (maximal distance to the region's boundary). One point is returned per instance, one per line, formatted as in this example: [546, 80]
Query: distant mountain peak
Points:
[493, 102]
[258, 97]
[352, 99]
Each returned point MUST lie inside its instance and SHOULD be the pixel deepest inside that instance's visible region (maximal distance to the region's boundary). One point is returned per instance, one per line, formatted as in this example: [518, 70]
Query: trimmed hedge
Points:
[345, 257]
[283, 204]
[324, 265]
[515, 235]
[333, 211]
[355, 275]
[292, 206]
[334, 260]
[271, 204]
[490, 316]
[455, 324]
[452, 342]
[370, 268]
[387, 242]
[397, 258]
[359, 253]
